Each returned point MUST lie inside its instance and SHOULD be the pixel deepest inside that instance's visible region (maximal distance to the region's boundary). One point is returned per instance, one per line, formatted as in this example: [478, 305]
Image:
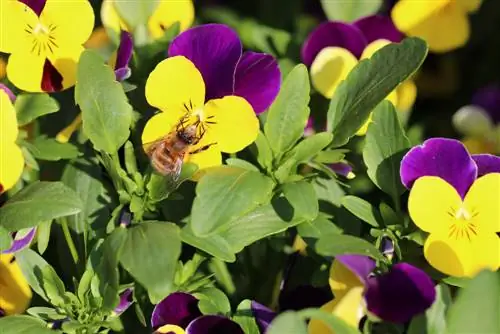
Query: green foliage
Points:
[434, 319]
[45, 148]
[31, 106]
[361, 209]
[386, 144]
[335, 323]
[37, 203]
[136, 13]
[213, 301]
[106, 114]
[338, 244]
[245, 319]
[369, 83]
[288, 322]
[5, 239]
[302, 197]
[23, 324]
[349, 11]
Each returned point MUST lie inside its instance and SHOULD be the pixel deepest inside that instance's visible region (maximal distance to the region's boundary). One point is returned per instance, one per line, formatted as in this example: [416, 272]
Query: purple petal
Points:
[213, 324]
[125, 301]
[51, 78]
[263, 315]
[486, 163]
[258, 80]
[123, 56]
[309, 128]
[360, 265]
[178, 308]
[488, 98]
[328, 34]
[35, 5]
[442, 157]
[341, 168]
[9, 93]
[215, 50]
[21, 241]
[379, 27]
[400, 294]
[387, 247]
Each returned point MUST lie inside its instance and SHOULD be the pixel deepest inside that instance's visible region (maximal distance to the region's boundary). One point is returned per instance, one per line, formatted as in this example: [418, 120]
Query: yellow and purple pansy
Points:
[480, 121]
[44, 39]
[334, 48]
[209, 79]
[455, 196]
[11, 156]
[396, 295]
[16, 293]
[443, 24]
[166, 14]
[178, 313]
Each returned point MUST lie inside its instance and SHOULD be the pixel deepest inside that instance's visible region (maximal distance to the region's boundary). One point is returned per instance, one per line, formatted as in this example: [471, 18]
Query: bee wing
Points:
[176, 173]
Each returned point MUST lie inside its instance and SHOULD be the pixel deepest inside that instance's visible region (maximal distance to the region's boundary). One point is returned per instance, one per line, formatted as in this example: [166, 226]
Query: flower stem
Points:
[69, 240]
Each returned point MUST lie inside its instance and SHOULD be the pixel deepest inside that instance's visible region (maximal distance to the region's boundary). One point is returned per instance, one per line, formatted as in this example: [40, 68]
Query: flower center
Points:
[463, 225]
[42, 38]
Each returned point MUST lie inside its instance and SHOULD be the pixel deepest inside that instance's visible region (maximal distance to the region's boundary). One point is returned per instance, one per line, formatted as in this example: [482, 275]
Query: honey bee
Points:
[167, 153]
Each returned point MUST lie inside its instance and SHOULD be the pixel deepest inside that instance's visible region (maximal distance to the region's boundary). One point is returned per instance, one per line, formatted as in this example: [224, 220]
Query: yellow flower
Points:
[227, 124]
[462, 238]
[167, 13]
[15, 293]
[11, 157]
[45, 43]
[442, 23]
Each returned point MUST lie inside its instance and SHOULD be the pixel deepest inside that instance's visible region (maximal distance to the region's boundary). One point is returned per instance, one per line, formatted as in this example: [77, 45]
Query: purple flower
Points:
[216, 51]
[263, 315]
[179, 311]
[125, 301]
[21, 240]
[123, 56]
[449, 160]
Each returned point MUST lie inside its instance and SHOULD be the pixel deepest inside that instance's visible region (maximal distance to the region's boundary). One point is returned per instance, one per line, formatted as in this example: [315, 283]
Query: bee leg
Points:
[203, 148]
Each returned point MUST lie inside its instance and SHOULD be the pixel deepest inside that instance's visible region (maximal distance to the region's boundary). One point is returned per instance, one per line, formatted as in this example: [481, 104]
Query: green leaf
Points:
[349, 11]
[43, 236]
[224, 194]
[288, 322]
[244, 317]
[386, 144]
[369, 83]
[330, 156]
[136, 13]
[85, 178]
[5, 239]
[434, 319]
[213, 301]
[235, 162]
[288, 114]
[317, 228]
[311, 146]
[150, 255]
[49, 149]
[104, 260]
[302, 197]
[214, 244]
[31, 106]
[160, 186]
[460, 282]
[39, 202]
[23, 324]
[336, 324]
[53, 286]
[338, 244]
[45, 313]
[361, 209]
[477, 305]
[264, 152]
[106, 113]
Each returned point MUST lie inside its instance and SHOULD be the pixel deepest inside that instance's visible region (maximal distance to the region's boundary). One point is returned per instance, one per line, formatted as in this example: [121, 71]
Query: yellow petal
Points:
[469, 5]
[317, 326]
[445, 30]
[25, 70]
[160, 125]
[74, 21]
[428, 213]
[8, 120]
[462, 256]
[15, 293]
[98, 39]
[374, 47]
[483, 199]
[14, 19]
[174, 84]
[66, 61]
[169, 12]
[209, 157]
[11, 165]
[65, 134]
[342, 279]
[330, 67]
[407, 14]
[406, 95]
[236, 125]
[110, 18]
[170, 329]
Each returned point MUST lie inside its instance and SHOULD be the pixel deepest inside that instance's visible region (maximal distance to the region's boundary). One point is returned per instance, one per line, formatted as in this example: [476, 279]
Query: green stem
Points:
[69, 240]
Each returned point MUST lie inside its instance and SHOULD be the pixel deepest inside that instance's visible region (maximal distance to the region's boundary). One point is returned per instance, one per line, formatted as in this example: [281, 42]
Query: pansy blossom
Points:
[480, 121]
[444, 24]
[178, 313]
[396, 296]
[44, 39]
[464, 221]
[334, 48]
[166, 14]
[16, 293]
